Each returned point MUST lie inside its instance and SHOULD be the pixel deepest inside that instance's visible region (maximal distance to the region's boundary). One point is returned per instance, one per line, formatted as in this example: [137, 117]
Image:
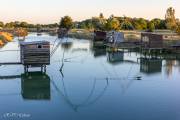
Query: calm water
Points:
[93, 85]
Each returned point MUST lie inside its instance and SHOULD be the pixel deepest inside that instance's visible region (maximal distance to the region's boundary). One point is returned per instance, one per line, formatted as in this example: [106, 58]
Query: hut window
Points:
[39, 46]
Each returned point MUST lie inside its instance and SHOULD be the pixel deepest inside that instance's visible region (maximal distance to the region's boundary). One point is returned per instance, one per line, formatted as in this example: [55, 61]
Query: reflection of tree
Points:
[169, 66]
[67, 45]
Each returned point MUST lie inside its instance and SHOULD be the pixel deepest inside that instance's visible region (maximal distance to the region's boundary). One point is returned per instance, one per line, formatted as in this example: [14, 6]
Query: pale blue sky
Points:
[49, 11]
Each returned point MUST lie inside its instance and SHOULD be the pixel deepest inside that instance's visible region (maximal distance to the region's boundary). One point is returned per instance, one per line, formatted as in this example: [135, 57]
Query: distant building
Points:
[100, 35]
[152, 40]
[115, 37]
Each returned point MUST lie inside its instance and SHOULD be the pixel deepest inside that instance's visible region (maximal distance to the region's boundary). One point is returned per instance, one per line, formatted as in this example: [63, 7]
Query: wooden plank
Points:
[11, 63]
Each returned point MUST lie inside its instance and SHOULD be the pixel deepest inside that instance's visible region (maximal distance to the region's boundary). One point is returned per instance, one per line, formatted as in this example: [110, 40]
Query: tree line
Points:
[18, 24]
[124, 23]
[105, 24]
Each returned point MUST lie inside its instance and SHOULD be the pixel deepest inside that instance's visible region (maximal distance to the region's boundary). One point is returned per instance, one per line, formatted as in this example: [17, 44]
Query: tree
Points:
[156, 23]
[101, 16]
[143, 23]
[170, 18]
[126, 25]
[98, 23]
[66, 22]
[21, 32]
[151, 26]
[112, 24]
[24, 24]
[1, 24]
[139, 23]
[10, 25]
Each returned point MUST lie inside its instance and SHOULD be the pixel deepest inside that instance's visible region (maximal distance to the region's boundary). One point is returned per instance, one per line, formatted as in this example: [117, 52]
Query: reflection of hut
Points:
[99, 36]
[35, 54]
[98, 44]
[35, 86]
[150, 66]
[99, 52]
[115, 37]
[151, 40]
[115, 57]
[62, 32]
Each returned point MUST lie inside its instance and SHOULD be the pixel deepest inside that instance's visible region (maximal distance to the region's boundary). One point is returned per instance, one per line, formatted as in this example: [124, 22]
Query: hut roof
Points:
[34, 42]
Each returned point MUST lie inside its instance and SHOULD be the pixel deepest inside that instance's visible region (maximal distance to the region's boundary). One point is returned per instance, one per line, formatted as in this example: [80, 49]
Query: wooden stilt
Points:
[45, 68]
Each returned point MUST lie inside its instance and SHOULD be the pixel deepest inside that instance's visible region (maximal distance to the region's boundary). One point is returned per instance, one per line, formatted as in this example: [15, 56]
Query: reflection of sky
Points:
[48, 11]
[152, 98]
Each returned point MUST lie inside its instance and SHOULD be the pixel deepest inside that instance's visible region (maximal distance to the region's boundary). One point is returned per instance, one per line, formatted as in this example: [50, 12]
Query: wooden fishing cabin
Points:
[152, 41]
[100, 36]
[114, 37]
[35, 54]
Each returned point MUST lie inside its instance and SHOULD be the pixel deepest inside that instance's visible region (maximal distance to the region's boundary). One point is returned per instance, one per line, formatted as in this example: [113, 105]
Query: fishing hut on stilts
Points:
[152, 43]
[35, 54]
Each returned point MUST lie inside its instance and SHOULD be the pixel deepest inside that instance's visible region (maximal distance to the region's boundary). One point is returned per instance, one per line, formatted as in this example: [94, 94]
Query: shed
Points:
[115, 37]
[35, 86]
[99, 35]
[35, 54]
[152, 40]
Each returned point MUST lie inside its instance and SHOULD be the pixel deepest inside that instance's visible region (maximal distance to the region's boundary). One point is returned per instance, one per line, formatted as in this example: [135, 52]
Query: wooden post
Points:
[44, 68]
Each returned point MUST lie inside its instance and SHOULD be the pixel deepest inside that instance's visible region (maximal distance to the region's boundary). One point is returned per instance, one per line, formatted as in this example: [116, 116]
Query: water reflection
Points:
[98, 49]
[150, 65]
[67, 45]
[35, 86]
[92, 79]
[115, 57]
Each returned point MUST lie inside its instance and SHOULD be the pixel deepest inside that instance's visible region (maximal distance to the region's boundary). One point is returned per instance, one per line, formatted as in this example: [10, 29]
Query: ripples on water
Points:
[93, 85]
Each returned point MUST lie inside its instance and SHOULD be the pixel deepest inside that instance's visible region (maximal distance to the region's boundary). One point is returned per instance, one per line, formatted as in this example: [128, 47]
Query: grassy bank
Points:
[81, 34]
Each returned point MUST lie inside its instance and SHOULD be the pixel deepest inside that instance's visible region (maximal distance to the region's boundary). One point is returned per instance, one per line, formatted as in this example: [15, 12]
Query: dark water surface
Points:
[93, 85]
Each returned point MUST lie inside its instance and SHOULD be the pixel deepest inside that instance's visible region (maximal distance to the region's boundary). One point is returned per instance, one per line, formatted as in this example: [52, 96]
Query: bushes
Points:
[21, 32]
[5, 37]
